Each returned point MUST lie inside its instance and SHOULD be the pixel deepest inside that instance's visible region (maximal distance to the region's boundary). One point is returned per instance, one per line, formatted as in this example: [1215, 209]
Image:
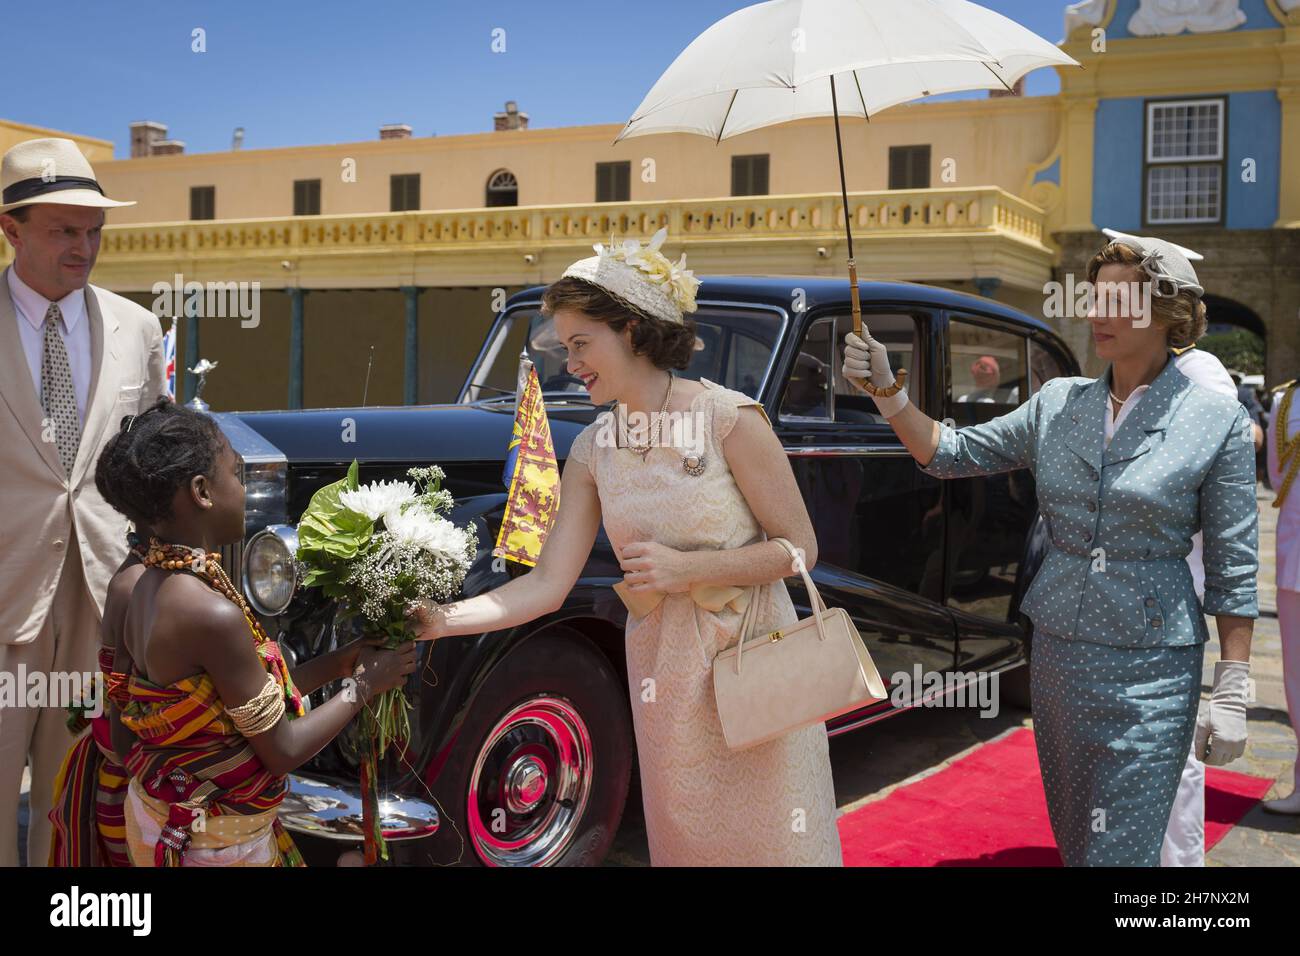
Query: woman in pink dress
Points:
[686, 506]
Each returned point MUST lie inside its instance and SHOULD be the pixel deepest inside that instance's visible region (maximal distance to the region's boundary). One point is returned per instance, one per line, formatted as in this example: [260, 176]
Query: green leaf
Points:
[327, 529]
[314, 575]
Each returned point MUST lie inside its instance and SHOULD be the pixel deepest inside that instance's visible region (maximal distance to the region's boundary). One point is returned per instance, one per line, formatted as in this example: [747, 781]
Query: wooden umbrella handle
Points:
[853, 293]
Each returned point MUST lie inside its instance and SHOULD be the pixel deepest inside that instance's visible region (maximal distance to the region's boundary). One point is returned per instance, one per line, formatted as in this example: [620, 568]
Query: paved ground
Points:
[871, 763]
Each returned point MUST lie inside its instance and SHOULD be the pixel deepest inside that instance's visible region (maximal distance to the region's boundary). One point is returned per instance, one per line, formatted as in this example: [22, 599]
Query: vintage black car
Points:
[522, 751]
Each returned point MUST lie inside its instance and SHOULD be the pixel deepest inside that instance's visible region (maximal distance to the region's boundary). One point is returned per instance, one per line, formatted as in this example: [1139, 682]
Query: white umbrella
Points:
[791, 59]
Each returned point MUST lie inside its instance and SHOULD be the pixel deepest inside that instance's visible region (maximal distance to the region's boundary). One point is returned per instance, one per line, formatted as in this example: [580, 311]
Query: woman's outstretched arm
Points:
[867, 360]
[542, 589]
[1003, 444]
[217, 640]
[918, 432]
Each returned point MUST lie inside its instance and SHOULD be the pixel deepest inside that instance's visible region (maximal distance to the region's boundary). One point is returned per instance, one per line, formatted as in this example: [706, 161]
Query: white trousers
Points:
[1185, 836]
[68, 641]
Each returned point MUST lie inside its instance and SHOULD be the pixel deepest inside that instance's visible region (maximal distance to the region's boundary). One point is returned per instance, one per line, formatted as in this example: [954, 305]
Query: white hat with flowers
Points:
[641, 276]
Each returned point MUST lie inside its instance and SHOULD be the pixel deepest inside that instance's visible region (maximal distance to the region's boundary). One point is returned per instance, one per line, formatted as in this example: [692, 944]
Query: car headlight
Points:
[270, 570]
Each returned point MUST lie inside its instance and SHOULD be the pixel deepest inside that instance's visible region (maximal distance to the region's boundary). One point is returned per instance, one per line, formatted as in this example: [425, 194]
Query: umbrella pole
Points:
[848, 227]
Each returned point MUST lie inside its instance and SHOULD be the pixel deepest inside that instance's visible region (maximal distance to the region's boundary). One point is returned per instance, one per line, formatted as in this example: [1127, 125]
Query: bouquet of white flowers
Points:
[378, 548]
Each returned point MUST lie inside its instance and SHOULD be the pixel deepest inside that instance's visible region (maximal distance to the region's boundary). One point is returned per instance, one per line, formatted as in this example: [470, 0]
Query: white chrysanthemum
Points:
[378, 498]
[429, 532]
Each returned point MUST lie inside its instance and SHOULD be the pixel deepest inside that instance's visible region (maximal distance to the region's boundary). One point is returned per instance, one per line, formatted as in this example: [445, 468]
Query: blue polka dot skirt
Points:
[1113, 727]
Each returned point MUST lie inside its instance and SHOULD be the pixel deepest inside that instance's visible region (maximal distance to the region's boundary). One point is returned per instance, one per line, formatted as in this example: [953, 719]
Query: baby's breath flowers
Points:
[379, 548]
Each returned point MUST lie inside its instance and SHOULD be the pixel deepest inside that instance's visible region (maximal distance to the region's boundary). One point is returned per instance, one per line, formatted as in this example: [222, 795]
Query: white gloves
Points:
[1221, 724]
[867, 359]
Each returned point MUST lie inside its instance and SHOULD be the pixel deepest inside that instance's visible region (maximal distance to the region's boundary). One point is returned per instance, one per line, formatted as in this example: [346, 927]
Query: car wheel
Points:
[539, 775]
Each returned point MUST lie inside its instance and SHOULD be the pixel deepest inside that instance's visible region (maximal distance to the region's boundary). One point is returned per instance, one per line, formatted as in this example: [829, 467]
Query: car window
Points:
[734, 347]
[1044, 365]
[808, 391]
[816, 390]
[987, 372]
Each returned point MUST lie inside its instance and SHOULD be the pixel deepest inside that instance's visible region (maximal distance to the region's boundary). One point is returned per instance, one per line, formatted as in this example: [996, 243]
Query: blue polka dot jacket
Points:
[1122, 517]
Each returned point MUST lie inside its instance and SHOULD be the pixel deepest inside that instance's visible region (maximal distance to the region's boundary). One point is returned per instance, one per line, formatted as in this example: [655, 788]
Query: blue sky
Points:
[293, 72]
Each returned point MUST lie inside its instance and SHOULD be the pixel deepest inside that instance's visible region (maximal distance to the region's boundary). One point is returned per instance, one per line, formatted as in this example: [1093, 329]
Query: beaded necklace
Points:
[205, 565]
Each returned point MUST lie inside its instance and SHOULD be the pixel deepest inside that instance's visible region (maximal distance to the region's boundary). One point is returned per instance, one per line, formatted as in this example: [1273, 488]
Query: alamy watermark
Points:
[923, 688]
[83, 690]
[1084, 300]
[682, 431]
[206, 300]
[77, 909]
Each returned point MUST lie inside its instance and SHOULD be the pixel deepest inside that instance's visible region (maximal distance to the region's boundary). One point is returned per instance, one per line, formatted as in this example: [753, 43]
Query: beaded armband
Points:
[263, 712]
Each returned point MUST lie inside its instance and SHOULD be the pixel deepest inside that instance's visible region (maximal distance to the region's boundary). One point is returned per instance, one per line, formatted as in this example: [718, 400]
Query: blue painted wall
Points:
[1052, 174]
[1117, 165]
[1256, 11]
[1254, 132]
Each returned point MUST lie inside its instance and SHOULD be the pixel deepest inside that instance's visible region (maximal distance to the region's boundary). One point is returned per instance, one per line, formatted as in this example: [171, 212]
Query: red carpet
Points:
[988, 809]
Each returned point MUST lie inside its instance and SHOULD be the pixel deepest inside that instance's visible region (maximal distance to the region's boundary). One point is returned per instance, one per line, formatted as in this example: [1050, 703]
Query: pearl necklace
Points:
[644, 450]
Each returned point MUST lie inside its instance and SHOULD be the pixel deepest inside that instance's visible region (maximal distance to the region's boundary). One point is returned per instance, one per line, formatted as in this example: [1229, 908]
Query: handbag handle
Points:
[750, 617]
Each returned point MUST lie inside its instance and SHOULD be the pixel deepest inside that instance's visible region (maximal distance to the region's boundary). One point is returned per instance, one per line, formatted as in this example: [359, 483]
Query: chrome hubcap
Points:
[530, 784]
[526, 784]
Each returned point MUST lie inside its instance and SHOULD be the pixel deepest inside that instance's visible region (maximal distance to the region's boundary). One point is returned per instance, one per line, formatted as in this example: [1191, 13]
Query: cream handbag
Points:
[814, 670]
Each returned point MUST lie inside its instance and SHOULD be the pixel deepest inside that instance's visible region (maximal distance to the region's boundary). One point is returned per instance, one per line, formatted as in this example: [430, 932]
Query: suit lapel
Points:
[1146, 423]
[17, 390]
[104, 379]
[1087, 431]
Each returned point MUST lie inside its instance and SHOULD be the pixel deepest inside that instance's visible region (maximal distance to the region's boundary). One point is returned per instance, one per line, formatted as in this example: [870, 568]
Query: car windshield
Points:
[734, 347]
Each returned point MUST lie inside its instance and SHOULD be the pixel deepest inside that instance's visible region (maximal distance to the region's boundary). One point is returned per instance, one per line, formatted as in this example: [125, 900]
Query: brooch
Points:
[693, 465]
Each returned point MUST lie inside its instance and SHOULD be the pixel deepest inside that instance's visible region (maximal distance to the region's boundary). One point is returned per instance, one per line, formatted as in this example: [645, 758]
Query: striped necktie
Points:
[58, 398]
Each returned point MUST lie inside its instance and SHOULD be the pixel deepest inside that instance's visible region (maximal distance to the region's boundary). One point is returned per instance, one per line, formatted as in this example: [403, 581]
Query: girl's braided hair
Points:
[152, 456]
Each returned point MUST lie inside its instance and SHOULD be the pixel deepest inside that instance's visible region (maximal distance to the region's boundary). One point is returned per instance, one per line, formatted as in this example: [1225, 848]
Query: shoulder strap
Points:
[750, 618]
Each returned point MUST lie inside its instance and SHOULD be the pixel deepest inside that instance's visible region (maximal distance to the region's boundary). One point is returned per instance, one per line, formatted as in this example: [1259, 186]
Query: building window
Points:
[405, 191]
[749, 175]
[614, 182]
[909, 167]
[203, 202]
[306, 197]
[502, 189]
[1184, 168]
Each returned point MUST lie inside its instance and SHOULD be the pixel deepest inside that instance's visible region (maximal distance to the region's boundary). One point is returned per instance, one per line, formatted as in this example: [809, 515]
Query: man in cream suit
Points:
[74, 359]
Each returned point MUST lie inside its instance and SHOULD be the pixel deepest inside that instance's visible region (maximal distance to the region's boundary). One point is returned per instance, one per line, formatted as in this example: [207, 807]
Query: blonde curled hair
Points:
[1182, 316]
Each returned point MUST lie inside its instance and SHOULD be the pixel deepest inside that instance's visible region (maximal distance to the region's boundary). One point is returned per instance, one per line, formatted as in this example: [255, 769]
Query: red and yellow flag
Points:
[531, 474]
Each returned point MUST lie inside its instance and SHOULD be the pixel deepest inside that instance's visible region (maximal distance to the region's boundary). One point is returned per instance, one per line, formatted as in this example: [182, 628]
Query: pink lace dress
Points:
[706, 805]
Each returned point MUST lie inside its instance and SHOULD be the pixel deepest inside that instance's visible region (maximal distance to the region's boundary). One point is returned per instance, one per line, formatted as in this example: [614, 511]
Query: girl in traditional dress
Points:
[88, 824]
[218, 718]
[685, 522]
[1129, 466]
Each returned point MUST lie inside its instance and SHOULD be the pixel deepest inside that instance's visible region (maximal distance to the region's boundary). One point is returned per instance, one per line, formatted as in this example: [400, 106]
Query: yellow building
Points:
[381, 261]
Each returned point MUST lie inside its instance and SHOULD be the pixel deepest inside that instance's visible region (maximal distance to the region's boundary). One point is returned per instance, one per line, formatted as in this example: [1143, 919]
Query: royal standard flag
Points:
[531, 475]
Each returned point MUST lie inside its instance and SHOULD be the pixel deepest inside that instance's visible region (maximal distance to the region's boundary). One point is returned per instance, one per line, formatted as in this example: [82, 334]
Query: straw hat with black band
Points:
[50, 170]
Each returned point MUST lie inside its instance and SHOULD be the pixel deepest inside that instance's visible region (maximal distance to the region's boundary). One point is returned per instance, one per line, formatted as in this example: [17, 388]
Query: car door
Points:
[988, 518]
[878, 519]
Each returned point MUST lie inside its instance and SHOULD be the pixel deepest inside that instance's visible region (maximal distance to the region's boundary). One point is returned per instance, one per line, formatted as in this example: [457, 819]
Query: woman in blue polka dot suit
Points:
[1129, 466]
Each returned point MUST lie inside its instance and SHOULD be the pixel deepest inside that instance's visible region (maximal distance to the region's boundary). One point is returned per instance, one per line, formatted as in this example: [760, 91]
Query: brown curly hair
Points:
[666, 344]
[1182, 316]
